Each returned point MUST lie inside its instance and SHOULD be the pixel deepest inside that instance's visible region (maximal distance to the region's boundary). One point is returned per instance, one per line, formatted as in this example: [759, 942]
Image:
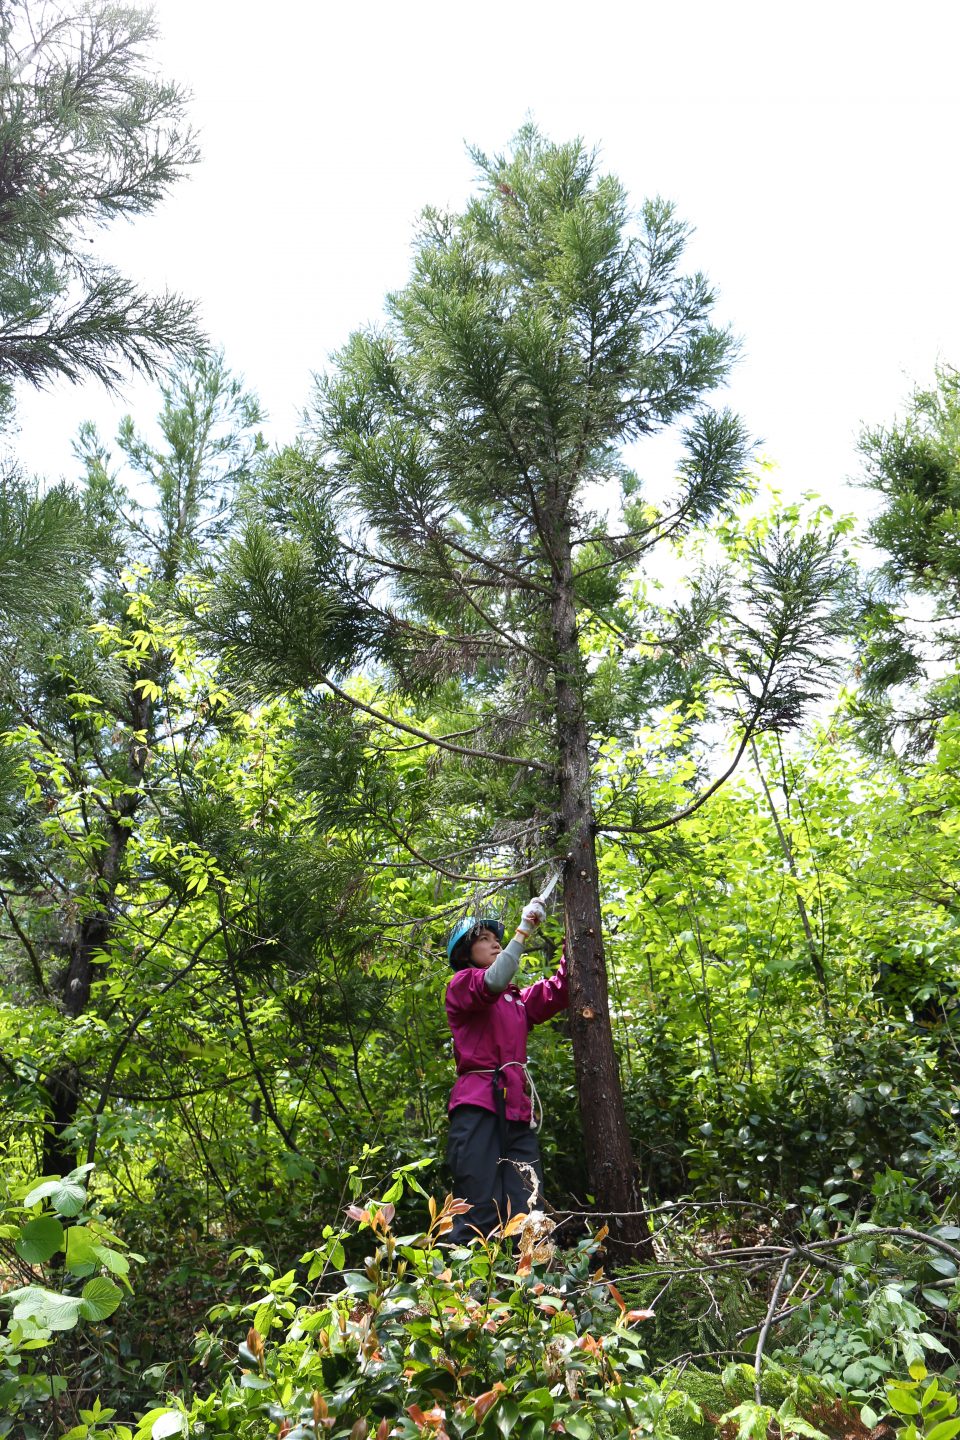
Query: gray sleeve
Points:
[498, 975]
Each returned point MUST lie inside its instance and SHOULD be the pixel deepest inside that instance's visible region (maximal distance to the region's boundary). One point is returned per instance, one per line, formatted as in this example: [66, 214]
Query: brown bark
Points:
[609, 1153]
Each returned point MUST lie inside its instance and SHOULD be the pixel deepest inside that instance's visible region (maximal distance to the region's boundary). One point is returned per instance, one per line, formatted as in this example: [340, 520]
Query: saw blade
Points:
[550, 886]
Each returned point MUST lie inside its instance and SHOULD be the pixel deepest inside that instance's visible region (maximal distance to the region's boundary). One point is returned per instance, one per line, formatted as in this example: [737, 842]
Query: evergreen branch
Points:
[456, 875]
[636, 552]
[420, 745]
[439, 741]
[619, 539]
[519, 581]
[397, 567]
[488, 620]
[110, 327]
[465, 642]
[528, 485]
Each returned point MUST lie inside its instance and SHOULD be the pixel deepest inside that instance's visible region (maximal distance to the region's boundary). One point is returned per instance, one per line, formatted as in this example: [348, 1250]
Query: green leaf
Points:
[39, 1239]
[903, 1402]
[944, 1431]
[506, 1415]
[579, 1426]
[936, 1298]
[112, 1260]
[47, 1307]
[40, 1192]
[172, 1422]
[99, 1298]
[81, 1250]
[66, 1196]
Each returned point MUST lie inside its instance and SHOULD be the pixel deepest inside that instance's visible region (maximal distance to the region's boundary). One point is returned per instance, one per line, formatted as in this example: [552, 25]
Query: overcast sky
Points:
[813, 147]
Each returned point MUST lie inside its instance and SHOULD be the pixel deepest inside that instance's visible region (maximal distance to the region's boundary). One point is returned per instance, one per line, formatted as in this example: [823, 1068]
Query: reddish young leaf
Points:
[485, 1402]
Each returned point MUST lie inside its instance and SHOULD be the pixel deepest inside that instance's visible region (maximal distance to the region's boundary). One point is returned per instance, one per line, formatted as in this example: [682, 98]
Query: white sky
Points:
[813, 146]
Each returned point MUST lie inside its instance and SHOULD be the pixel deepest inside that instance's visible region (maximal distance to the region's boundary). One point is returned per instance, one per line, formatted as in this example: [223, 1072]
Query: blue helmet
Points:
[463, 930]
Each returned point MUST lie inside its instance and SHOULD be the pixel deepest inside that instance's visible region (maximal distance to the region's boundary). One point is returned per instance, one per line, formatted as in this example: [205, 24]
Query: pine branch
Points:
[518, 581]
[438, 741]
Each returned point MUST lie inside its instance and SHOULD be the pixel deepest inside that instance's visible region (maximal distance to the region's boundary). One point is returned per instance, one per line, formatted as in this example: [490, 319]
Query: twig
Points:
[765, 1328]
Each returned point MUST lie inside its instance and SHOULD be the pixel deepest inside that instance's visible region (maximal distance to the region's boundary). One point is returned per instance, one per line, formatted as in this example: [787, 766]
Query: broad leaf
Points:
[48, 1308]
[39, 1239]
[99, 1298]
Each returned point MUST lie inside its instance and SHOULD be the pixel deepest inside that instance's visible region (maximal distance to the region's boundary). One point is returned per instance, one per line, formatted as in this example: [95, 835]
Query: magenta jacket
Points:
[490, 1030]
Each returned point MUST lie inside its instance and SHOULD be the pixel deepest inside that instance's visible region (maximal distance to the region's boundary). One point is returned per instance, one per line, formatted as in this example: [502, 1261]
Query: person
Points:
[492, 1149]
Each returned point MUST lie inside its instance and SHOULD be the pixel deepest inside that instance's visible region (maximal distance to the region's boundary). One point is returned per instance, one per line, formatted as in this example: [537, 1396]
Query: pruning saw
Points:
[550, 886]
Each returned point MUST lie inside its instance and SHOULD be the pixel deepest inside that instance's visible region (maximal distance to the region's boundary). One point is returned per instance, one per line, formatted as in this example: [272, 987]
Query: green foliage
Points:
[70, 1274]
[909, 642]
[925, 1404]
[287, 714]
[422, 1338]
[87, 134]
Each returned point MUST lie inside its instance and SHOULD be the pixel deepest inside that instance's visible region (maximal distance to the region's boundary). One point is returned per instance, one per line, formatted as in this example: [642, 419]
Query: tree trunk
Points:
[64, 1084]
[609, 1154]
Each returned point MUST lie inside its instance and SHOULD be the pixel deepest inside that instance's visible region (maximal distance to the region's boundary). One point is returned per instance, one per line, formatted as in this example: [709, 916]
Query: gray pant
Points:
[483, 1170]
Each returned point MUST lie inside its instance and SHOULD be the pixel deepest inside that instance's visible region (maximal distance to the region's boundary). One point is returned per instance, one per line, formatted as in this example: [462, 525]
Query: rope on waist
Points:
[535, 1102]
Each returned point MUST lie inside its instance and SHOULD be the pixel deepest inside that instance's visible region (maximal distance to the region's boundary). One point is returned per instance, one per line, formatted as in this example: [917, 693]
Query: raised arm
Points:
[546, 998]
[498, 975]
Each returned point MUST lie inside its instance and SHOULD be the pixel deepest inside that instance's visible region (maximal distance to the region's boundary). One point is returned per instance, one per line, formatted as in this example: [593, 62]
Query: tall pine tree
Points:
[458, 452]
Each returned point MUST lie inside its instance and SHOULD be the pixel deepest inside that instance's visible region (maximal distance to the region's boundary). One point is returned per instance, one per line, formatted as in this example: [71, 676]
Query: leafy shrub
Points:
[427, 1339]
[71, 1272]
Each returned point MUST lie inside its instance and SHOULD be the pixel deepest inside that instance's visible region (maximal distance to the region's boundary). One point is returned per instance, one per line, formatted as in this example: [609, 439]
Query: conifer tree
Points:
[456, 451]
[86, 724]
[88, 134]
[911, 643]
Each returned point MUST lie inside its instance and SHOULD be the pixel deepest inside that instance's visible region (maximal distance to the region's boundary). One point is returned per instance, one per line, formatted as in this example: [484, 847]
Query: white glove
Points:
[531, 917]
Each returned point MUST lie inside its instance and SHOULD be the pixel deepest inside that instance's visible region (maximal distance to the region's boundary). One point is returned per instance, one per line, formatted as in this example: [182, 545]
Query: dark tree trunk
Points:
[64, 1084]
[609, 1154]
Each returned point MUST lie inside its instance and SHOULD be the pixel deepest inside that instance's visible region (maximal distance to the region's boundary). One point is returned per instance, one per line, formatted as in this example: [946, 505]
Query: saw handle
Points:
[533, 914]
